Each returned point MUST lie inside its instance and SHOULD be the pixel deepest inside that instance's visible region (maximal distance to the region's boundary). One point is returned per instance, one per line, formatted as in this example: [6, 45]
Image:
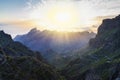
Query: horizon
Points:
[19, 17]
[52, 31]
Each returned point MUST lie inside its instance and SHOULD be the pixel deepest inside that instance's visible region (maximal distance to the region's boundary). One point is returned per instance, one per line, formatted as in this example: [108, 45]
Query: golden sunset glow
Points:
[62, 18]
[56, 15]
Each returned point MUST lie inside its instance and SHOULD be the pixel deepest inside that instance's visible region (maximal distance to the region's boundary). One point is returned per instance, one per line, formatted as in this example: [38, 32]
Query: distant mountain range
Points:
[55, 47]
[58, 42]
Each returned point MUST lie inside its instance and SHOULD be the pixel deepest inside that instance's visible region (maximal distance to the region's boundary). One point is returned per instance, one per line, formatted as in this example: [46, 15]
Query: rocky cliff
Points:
[103, 59]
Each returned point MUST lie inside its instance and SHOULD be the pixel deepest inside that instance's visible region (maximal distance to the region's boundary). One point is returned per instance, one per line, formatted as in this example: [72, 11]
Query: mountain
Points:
[55, 46]
[17, 62]
[60, 42]
[102, 60]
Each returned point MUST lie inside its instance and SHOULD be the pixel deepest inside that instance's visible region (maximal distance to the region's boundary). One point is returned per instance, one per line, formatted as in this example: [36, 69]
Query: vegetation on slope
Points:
[18, 62]
[102, 61]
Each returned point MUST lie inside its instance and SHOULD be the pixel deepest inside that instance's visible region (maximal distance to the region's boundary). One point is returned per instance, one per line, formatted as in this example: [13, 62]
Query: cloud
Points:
[31, 4]
[17, 27]
[102, 7]
[3, 24]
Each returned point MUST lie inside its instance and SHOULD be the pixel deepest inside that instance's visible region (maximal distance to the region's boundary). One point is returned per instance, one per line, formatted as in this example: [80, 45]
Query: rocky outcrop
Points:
[4, 39]
[108, 34]
[103, 59]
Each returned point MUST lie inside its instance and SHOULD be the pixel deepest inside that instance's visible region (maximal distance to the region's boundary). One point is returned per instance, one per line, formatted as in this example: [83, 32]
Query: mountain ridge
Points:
[53, 39]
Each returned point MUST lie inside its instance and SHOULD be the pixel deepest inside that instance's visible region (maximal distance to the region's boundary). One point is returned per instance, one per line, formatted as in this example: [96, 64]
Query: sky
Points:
[19, 16]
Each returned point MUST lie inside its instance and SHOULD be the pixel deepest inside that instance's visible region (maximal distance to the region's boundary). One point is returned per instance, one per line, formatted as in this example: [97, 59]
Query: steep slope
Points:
[103, 59]
[17, 62]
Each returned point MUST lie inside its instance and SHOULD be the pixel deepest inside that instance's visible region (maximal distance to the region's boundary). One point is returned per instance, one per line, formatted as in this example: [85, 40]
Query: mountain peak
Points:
[117, 17]
[5, 39]
[34, 29]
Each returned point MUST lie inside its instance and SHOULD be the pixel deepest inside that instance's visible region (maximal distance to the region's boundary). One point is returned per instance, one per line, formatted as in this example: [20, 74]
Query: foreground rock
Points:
[18, 62]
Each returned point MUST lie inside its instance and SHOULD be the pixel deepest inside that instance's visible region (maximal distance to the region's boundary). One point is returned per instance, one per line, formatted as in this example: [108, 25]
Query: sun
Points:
[62, 17]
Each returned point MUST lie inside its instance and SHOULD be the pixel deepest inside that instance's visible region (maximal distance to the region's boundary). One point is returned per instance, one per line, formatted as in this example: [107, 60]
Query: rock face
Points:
[4, 39]
[18, 62]
[108, 34]
[103, 60]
